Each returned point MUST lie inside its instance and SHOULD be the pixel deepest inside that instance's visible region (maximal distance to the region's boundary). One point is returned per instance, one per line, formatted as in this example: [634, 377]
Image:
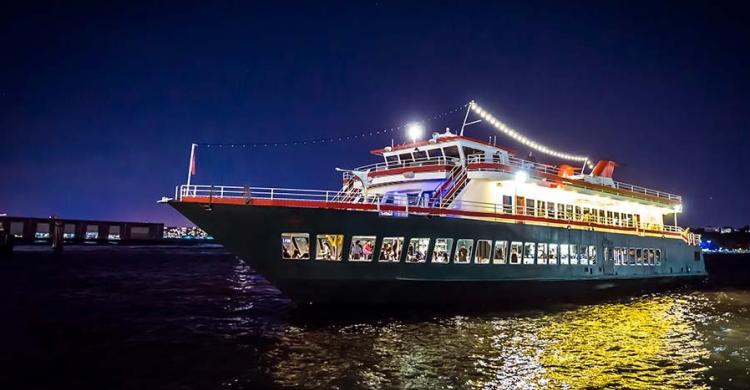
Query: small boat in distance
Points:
[453, 219]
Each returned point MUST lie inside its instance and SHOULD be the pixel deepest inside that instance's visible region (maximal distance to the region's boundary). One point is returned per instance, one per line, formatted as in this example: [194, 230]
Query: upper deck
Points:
[445, 151]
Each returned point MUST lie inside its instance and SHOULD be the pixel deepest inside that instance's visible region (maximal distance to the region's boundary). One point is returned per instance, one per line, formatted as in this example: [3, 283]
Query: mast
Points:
[468, 108]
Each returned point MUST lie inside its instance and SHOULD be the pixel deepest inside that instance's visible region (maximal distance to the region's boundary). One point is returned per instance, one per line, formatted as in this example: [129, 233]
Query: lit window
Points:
[92, 232]
[528, 253]
[390, 249]
[16, 229]
[295, 246]
[541, 253]
[484, 251]
[657, 257]
[70, 231]
[362, 248]
[42, 231]
[507, 204]
[500, 253]
[592, 254]
[417, 251]
[617, 255]
[583, 254]
[114, 233]
[552, 253]
[564, 254]
[442, 251]
[516, 248]
[540, 208]
[607, 255]
[329, 246]
[550, 210]
[463, 251]
[573, 253]
[568, 211]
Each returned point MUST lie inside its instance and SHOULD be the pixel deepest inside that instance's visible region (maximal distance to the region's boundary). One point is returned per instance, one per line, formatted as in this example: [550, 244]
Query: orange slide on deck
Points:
[604, 168]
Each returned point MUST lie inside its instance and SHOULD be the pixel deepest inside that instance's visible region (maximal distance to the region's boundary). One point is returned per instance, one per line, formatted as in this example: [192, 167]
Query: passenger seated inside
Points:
[329, 247]
[417, 251]
[327, 250]
[367, 250]
[295, 246]
[356, 250]
[463, 254]
[443, 247]
[499, 255]
[362, 248]
[390, 250]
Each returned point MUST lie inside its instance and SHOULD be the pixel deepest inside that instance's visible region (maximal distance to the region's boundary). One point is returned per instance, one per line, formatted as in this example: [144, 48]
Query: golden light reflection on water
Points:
[650, 342]
[644, 344]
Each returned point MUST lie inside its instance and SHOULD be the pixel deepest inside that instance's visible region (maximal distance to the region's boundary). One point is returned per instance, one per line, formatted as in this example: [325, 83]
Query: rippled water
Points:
[196, 317]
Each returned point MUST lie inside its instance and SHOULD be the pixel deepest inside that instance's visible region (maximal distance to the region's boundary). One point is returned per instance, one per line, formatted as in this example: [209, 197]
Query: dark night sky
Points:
[99, 103]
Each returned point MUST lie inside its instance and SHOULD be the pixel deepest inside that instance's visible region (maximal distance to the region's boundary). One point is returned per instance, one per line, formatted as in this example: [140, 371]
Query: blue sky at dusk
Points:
[100, 101]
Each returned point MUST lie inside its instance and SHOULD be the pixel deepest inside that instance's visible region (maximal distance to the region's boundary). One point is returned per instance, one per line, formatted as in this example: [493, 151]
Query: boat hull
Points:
[254, 234]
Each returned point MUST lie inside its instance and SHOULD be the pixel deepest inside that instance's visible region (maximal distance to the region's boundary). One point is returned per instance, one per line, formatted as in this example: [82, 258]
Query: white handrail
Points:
[423, 161]
[551, 170]
[402, 200]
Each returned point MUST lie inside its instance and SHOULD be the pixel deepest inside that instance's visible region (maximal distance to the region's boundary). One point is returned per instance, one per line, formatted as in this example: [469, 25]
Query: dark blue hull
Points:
[254, 234]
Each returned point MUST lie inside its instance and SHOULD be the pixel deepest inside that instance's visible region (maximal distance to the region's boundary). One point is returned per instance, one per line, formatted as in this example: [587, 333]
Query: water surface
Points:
[196, 317]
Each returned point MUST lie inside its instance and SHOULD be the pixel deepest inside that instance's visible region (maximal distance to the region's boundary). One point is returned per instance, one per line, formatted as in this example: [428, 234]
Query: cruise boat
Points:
[453, 219]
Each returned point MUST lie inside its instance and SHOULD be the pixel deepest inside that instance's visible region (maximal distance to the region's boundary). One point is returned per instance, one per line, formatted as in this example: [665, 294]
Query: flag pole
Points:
[191, 162]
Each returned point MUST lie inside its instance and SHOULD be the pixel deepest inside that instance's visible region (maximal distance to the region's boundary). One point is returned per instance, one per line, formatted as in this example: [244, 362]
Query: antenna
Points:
[468, 108]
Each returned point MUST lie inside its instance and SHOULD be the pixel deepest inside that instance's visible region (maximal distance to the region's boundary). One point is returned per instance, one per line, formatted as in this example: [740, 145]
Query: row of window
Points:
[465, 251]
[634, 256]
[554, 210]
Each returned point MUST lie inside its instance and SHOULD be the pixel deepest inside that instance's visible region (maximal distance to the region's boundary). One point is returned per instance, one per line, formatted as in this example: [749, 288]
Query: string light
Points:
[341, 138]
[489, 118]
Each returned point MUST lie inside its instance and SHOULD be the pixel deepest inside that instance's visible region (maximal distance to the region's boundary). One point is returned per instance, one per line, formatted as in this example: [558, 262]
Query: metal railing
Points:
[531, 166]
[421, 204]
[236, 192]
[419, 162]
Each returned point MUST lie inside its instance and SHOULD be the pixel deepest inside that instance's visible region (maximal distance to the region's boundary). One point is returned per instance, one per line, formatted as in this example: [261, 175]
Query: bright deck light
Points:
[521, 176]
[414, 131]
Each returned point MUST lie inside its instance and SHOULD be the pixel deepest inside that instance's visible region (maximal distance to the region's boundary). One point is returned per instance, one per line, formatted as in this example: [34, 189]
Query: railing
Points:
[402, 200]
[235, 192]
[420, 162]
[531, 166]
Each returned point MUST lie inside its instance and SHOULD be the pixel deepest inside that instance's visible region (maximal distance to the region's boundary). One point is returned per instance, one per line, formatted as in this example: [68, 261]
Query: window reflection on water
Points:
[649, 342]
